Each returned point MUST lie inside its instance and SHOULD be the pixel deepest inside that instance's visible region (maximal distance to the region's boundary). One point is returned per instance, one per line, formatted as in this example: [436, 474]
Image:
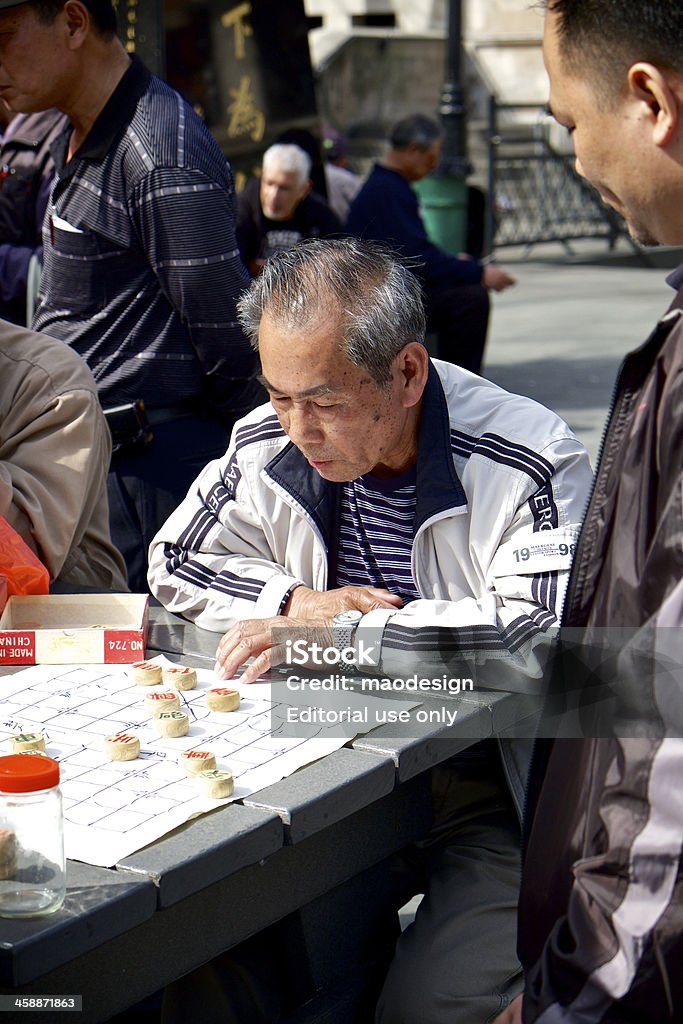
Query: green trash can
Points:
[443, 205]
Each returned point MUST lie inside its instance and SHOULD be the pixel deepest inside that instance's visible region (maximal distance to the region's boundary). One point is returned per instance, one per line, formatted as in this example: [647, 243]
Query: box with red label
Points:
[66, 629]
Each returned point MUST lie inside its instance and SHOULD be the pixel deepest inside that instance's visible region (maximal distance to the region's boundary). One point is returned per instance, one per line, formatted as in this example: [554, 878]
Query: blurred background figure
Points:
[26, 173]
[342, 184]
[279, 209]
[310, 144]
[386, 209]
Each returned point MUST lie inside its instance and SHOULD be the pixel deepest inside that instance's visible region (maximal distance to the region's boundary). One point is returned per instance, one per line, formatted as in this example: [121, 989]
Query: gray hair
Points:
[288, 157]
[416, 130]
[376, 296]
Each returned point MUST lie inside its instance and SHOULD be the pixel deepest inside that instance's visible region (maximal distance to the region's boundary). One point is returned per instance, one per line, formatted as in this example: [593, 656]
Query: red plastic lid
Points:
[27, 773]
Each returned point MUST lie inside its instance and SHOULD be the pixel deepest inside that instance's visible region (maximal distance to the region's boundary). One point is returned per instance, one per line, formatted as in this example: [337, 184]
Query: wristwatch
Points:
[343, 629]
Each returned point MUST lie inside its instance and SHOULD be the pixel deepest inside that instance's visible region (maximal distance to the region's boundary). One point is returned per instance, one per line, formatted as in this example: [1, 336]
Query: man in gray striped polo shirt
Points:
[141, 268]
[428, 504]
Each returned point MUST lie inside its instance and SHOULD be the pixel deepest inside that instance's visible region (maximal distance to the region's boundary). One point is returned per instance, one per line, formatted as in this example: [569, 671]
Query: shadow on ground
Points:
[559, 383]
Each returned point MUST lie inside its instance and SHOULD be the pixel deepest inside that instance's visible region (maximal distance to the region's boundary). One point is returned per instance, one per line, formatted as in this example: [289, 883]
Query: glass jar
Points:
[32, 866]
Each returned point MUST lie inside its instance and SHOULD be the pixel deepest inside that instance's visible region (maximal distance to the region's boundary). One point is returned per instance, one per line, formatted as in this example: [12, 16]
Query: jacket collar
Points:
[318, 497]
[438, 485]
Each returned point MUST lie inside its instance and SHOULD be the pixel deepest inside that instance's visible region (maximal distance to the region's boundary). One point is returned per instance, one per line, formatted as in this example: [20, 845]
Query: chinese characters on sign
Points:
[244, 116]
[236, 19]
[243, 65]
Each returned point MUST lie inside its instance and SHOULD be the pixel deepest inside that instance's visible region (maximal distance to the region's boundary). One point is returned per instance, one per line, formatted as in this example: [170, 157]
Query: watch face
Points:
[348, 617]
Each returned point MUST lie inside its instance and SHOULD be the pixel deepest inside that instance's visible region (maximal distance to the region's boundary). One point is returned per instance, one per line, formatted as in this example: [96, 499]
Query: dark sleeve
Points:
[247, 228]
[23, 199]
[321, 218]
[389, 212]
[616, 942]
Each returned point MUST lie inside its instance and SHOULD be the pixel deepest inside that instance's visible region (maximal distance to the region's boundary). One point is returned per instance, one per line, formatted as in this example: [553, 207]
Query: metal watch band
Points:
[344, 632]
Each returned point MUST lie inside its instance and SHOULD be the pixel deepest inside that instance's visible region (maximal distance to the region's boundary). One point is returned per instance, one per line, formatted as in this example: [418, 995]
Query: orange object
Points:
[24, 572]
[26, 773]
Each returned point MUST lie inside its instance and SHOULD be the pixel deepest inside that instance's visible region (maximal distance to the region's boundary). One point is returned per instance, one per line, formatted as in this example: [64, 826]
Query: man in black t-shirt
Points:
[279, 209]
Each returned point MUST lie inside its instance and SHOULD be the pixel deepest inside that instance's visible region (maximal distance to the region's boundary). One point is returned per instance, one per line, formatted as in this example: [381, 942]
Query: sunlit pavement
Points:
[559, 335]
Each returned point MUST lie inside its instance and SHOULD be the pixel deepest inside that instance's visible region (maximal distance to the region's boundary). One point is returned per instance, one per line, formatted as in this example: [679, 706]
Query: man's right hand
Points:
[317, 605]
[497, 279]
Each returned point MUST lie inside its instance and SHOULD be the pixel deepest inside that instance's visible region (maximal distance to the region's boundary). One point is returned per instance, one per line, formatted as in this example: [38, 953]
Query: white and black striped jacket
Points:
[501, 487]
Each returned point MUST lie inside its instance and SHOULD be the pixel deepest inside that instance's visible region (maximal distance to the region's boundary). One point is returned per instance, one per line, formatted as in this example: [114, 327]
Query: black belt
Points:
[168, 413]
[130, 424]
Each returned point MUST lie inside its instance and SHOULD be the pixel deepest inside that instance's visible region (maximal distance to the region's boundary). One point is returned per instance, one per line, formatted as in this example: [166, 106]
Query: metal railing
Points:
[534, 192]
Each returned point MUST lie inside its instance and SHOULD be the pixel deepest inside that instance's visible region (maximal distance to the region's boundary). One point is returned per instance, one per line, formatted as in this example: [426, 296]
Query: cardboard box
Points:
[63, 629]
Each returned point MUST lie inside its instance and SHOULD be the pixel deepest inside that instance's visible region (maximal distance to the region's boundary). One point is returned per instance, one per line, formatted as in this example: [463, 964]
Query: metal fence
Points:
[534, 192]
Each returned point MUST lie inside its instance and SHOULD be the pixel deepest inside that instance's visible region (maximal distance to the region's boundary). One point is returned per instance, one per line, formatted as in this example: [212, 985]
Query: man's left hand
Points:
[253, 638]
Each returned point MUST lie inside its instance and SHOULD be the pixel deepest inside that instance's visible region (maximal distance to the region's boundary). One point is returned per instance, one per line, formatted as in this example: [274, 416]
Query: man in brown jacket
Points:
[601, 908]
[54, 458]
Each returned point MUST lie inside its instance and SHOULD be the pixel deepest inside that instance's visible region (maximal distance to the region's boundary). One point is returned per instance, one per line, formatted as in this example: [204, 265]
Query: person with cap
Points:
[342, 184]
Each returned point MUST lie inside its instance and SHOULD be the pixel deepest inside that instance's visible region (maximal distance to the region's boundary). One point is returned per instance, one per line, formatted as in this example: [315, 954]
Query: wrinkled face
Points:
[281, 192]
[342, 422]
[33, 59]
[610, 138]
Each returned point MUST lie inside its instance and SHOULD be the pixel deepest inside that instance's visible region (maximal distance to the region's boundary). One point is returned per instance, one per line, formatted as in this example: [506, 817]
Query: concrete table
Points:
[311, 845]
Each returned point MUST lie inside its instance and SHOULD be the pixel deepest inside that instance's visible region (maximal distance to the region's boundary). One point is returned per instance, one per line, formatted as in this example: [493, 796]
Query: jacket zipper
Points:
[572, 585]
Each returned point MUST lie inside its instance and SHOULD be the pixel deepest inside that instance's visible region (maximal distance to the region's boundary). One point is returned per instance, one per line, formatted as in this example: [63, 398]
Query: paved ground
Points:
[560, 334]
